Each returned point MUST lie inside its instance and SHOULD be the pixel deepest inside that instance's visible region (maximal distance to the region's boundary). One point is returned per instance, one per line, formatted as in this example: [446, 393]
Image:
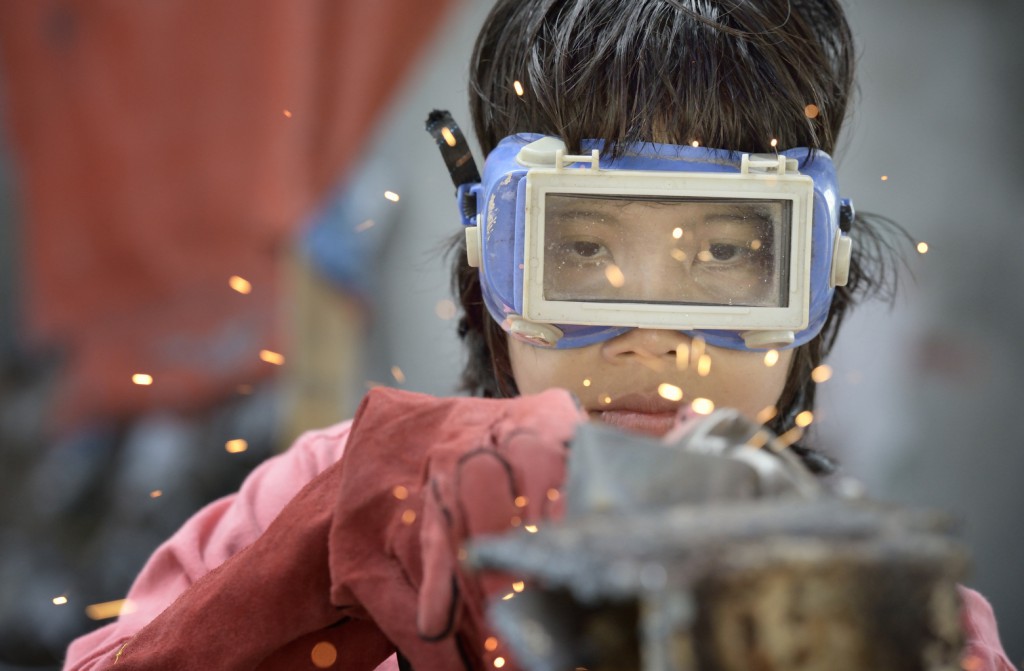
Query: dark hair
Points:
[732, 74]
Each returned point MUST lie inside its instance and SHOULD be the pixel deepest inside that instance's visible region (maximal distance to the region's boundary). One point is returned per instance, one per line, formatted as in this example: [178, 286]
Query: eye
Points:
[586, 249]
[724, 251]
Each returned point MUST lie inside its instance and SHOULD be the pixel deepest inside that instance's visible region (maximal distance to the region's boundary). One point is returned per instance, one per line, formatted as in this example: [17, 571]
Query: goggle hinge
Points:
[767, 163]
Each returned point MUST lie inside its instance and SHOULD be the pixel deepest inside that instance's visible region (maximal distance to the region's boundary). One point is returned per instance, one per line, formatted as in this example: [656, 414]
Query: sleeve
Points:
[983, 651]
[218, 532]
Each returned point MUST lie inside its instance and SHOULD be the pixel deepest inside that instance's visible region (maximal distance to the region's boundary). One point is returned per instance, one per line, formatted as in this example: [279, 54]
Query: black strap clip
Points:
[459, 158]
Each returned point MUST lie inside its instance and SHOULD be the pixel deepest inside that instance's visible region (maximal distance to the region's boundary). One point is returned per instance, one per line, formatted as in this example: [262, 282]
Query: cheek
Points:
[750, 385]
[536, 369]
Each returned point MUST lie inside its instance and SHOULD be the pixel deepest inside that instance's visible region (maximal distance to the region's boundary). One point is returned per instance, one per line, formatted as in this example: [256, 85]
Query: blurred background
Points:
[217, 231]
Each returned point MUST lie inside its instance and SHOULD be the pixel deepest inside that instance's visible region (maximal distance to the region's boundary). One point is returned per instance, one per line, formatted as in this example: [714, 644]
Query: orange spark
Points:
[142, 379]
[271, 357]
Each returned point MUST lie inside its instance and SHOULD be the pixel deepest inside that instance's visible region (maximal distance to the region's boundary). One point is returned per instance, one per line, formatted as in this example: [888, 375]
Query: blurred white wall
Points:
[924, 402]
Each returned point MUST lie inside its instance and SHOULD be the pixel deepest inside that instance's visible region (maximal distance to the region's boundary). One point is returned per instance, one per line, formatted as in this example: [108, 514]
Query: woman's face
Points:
[619, 381]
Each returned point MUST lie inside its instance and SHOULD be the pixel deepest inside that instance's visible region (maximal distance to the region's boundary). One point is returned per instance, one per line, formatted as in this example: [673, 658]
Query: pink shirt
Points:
[226, 526]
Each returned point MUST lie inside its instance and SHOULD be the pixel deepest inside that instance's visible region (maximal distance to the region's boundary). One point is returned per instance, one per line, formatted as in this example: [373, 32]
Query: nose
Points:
[644, 346]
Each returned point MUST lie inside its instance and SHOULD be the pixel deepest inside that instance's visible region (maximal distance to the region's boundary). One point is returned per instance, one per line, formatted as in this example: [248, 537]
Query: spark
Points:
[60, 600]
[271, 357]
[682, 357]
[518, 586]
[704, 365]
[774, 142]
[445, 309]
[972, 663]
[759, 439]
[885, 178]
[811, 111]
[771, 357]
[703, 406]
[704, 255]
[678, 254]
[323, 655]
[790, 437]
[508, 596]
[109, 609]
[288, 113]
[822, 373]
[553, 494]
[606, 399]
[804, 419]
[499, 662]
[586, 382]
[755, 245]
[695, 144]
[240, 284]
[397, 373]
[670, 392]
[156, 493]
[449, 138]
[614, 275]
[142, 379]
[696, 349]
[236, 446]
[491, 644]
[767, 414]
[922, 248]
[365, 225]
[520, 502]
[392, 196]
[677, 232]
[515, 521]
[518, 87]
[531, 528]
[408, 516]
[400, 492]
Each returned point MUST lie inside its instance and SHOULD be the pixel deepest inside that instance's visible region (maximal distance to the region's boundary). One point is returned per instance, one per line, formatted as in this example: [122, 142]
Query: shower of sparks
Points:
[520, 501]
[517, 85]
[771, 357]
[767, 414]
[288, 113]
[774, 143]
[236, 446]
[586, 382]
[109, 609]
[445, 309]
[449, 138]
[518, 586]
[811, 111]
[531, 528]
[365, 225]
[614, 275]
[704, 365]
[682, 357]
[703, 406]
[677, 233]
[60, 600]
[142, 379]
[397, 373]
[156, 493]
[392, 196]
[885, 178]
[822, 373]
[922, 248]
[695, 144]
[240, 284]
[271, 357]
[804, 419]
[400, 492]
[408, 516]
[323, 655]
[677, 254]
[553, 495]
[670, 392]
[499, 662]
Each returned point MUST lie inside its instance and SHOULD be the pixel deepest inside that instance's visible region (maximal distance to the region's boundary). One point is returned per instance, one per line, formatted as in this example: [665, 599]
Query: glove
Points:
[420, 476]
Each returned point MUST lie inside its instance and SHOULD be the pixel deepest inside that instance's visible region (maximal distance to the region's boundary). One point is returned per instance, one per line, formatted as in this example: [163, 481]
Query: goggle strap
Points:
[457, 156]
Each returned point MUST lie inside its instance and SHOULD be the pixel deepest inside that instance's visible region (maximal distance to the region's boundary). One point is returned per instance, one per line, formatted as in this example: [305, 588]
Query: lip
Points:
[641, 413]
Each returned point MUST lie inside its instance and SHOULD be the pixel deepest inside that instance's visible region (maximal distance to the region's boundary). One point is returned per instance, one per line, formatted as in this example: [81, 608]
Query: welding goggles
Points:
[744, 251]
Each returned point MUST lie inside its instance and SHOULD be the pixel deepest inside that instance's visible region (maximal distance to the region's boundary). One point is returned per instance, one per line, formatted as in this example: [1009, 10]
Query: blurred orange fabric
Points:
[162, 147]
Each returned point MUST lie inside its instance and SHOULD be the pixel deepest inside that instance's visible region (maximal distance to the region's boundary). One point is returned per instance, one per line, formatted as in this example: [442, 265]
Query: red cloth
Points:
[260, 575]
[156, 160]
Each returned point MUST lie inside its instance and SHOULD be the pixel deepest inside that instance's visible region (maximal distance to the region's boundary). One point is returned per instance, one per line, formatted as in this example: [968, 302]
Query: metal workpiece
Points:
[716, 574]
